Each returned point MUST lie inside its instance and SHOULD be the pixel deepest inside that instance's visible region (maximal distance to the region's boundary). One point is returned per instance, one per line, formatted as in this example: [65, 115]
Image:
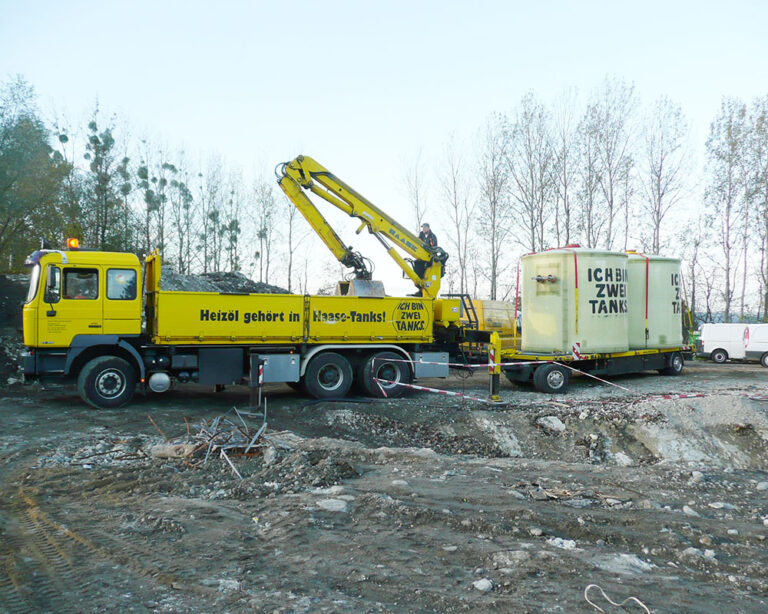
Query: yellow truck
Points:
[84, 312]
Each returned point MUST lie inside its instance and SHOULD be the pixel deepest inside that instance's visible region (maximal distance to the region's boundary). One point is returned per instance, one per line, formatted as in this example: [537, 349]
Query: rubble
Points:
[233, 282]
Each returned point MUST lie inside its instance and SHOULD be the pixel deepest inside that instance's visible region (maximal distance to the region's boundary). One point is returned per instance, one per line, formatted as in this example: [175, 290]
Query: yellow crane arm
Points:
[304, 173]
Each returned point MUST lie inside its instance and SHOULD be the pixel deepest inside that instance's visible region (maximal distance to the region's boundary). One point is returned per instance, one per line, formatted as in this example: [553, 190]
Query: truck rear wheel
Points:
[386, 366]
[674, 365]
[719, 356]
[551, 378]
[328, 375]
[764, 360]
[107, 382]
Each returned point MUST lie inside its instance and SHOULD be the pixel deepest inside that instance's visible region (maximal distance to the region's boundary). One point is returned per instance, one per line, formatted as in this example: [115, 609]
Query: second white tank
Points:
[655, 319]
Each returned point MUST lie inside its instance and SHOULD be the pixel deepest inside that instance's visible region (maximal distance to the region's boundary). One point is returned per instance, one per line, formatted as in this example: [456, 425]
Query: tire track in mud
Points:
[41, 561]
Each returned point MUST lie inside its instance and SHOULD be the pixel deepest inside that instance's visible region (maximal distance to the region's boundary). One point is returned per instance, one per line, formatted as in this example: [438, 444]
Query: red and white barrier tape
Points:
[427, 389]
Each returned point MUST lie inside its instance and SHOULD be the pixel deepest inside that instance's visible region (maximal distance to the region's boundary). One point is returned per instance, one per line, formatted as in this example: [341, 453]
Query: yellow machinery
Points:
[303, 174]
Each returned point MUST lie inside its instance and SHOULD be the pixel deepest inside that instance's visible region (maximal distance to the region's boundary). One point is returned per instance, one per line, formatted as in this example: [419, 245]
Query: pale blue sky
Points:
[363, 86]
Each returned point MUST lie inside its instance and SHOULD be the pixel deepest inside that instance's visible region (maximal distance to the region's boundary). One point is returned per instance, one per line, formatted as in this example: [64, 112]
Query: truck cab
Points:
[78, 301]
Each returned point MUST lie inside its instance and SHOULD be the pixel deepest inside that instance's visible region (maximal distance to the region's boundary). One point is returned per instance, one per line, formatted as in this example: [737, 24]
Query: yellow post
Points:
[494, 365]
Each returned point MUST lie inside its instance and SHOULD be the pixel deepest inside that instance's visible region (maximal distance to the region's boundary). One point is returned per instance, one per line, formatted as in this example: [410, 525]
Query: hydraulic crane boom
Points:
[305, 174]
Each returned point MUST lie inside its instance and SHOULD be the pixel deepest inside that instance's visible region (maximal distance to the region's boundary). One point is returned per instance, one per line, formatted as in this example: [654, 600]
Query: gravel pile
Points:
[231, 282]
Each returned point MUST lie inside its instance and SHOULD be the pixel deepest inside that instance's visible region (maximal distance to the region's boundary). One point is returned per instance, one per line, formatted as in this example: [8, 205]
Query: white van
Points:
[721, 342]
[757, 343]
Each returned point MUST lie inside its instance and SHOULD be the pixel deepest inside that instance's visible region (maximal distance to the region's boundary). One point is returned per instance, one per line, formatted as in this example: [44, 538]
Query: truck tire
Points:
[675, 364]
[719, 356]
[551, 378]
[764, 360]
[328, 376]
[384, 366]
[107, 382]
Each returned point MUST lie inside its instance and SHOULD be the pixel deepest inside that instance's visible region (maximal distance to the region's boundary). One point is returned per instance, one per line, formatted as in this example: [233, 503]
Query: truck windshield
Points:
[34, 279]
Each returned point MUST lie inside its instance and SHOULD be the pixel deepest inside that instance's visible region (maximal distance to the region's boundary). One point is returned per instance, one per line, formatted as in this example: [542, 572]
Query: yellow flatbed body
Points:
[213, 318]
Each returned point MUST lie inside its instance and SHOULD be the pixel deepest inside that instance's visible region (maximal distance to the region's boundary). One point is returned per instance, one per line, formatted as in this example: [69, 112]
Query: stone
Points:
[732, 532]
[269, 456]
[697, 476]
[563, 544]
[537, 532]
[484, 585]
[688, 511]
[552, 424]
[762, 486]
[622, 460]
[332, 505]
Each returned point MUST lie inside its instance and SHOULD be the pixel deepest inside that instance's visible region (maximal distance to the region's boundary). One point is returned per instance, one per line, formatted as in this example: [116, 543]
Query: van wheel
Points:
[386, 366]
[764, 360]
[328, 376]
[674, 365]
[551, 378]
[107, 382]
[719, 356]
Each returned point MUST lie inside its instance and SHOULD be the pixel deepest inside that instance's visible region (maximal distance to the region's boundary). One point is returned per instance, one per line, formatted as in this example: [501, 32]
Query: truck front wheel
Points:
[328, 376]
[107, 382]
[764, 360]
[551, 378]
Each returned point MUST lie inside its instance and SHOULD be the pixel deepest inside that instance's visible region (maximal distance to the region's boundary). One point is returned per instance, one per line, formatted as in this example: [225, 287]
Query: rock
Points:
[400, 483]
[484, 585]
[510, 558]
[332, 505]
[227, 585]
[697, 476]
[450, 548]
[624, 564]
[719, 505]
[564, 544]
[762, 486]
[535, 531]
[691, 552]
[269, 456]
[709, 554]
[552, 424]
[732, 532]
[173, 450]
[622, 460]
[688, 511]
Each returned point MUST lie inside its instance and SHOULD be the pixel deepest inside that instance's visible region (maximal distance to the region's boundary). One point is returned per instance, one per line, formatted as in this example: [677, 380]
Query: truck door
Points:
[73, 297]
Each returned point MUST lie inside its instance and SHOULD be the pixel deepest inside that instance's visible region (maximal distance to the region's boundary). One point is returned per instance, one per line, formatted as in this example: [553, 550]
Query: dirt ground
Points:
[422, 504]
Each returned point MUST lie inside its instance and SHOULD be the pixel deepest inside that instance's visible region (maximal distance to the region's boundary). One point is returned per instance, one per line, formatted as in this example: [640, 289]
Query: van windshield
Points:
[34, 279]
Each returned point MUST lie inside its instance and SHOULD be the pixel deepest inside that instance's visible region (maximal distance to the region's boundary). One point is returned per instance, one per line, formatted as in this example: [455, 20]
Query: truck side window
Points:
[52, 285]
[81, 284]
[121, 284]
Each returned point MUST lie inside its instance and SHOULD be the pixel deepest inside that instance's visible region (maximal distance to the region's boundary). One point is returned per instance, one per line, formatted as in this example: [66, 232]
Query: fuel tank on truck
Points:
[655, 319]
[575, 301]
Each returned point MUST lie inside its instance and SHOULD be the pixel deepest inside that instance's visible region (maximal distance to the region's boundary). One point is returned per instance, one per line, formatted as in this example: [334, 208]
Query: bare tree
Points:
[725, 191]
[413, 182]
[564, 167]
[265, 226]
[590, 220]
[609, 122]
[494, 210]
[757, 163]
[530, 163]
[461, 206]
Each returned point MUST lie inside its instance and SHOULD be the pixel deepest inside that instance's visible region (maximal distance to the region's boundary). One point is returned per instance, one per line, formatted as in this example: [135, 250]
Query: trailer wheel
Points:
[551, 378]
[386, 366]
[674, 365]
[107, 382]
[328, 375]
[719, 356]
[764, 360]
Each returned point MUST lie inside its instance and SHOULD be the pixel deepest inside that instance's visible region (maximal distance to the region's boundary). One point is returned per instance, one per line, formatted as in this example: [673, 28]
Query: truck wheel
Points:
[328, 375]
[551, 378]
[674, 365]
[385, 366]
[106, 382]
[764, 360]
[719, 356]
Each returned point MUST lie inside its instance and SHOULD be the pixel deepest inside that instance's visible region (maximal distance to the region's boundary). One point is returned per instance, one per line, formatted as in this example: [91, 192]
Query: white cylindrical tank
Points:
[655, 319]
[575, 301]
